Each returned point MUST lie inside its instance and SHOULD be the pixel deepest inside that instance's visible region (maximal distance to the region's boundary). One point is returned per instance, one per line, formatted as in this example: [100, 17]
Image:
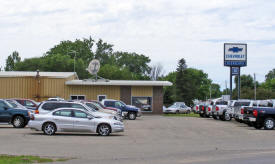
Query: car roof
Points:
[69, 109]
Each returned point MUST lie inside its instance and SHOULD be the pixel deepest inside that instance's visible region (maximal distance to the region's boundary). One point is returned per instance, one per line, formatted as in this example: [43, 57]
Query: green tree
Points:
[12, 60]
[246, 81]
[215, 90]
[182, 88]
[169, 91]
[114, 72]
[270, 75]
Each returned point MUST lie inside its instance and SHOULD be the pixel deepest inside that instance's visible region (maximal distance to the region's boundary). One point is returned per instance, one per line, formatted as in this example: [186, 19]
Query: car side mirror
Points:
[89, 117]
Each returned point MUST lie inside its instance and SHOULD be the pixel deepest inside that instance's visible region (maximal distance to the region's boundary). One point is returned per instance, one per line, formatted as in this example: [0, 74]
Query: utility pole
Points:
[210, 91]
[255, 90]
[226, 87]
[74, 52]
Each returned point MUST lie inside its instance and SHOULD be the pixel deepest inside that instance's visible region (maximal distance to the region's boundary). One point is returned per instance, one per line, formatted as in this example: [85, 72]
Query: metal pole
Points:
[230, 83]
[255, 90]
[74, 60]
[239, 83]
[226, 87]
[210, 91]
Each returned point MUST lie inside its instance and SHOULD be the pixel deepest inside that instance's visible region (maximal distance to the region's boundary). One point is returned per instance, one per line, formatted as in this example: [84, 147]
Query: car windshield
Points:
[12, 104]
[99, 104]
[173, 106]
[91, 109]
[221, 103]
[122, 103]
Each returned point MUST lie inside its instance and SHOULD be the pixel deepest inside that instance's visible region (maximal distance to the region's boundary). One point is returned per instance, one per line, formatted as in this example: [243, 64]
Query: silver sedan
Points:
[74, 120]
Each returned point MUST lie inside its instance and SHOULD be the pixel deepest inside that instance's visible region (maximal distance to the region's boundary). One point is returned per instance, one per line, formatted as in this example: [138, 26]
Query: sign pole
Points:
[239, 84]
[230, 83]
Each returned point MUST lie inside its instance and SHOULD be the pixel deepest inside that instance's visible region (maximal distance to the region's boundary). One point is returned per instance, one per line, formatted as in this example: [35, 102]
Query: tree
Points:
[156, 72]
[215, 90]
[181, 87]
[12, 60]
[270, 75]
[114, 72]
[169, 91]
[246, 81]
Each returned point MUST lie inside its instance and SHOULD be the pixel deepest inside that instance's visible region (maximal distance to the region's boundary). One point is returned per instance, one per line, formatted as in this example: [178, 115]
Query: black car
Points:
[19, 118]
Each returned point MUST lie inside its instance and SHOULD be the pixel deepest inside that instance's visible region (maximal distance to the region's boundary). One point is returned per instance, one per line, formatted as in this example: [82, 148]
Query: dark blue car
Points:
[131, 112]
[19, 118]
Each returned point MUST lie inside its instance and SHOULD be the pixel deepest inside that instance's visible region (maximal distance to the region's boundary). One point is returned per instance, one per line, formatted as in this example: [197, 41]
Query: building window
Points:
[144, 103]
[101, 97]
[77, 97]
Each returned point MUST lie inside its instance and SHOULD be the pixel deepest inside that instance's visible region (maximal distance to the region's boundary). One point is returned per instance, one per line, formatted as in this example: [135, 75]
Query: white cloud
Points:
[163, 30]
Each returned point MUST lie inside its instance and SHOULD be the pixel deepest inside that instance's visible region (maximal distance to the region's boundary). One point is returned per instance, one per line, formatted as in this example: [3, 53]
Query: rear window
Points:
[241, 104]
[221, 103]
[109, 103]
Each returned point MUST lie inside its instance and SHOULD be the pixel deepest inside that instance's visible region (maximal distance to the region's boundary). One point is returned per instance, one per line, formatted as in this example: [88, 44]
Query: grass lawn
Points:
[182, 115]
[11, 159]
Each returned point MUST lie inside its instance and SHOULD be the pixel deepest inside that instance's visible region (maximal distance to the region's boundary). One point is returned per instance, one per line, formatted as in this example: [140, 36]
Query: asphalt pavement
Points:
[150, 139]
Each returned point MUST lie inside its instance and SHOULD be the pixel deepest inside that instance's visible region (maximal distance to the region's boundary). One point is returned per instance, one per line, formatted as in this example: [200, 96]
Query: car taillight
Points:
[197, 108]
[209, 109]
[217, 108]
[36, 111]
[255, 113]
[242, 111]
[202, 107]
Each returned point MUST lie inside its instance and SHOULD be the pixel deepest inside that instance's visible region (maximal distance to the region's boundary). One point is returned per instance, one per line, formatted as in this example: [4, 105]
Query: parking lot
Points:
[150, 139]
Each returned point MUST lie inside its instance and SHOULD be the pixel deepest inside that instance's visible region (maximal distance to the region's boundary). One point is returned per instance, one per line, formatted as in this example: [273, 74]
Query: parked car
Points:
[19, 118]
[220, 110]
[74, 120]
[239, 108]
[178, 107]
[28, 103]
[48, 106]
[131, 112]
[97, 107]
[105, 107]
[262, 116]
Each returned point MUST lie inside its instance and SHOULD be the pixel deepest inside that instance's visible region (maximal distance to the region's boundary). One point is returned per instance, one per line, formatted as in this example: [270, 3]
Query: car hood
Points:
[101, 114]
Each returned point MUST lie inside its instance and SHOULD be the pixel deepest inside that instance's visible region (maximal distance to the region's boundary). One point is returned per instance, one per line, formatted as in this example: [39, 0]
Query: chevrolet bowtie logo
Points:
[235, 49]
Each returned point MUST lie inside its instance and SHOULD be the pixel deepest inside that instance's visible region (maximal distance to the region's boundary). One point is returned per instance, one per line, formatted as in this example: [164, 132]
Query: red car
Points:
[104, 107]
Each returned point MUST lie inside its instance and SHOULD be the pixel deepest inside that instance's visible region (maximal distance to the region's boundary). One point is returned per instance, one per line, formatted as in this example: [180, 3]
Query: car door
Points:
[5, 115]
[63, 119]
[82, 122]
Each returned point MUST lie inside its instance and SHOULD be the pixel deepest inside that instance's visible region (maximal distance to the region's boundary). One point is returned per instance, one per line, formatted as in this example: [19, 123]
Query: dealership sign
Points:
[235, 54]
[235, 71]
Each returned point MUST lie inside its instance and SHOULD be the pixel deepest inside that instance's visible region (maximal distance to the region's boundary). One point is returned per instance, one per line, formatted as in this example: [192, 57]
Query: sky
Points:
[164, 30]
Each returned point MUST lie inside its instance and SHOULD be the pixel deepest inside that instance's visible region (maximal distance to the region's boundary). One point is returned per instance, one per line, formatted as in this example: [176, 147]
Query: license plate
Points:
[252, 119]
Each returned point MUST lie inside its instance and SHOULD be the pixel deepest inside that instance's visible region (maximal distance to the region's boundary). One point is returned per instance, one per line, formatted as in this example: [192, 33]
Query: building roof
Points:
[34, 73]
[119, 82]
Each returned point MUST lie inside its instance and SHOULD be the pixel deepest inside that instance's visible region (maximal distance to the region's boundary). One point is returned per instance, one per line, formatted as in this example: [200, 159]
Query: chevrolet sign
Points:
[235, 54]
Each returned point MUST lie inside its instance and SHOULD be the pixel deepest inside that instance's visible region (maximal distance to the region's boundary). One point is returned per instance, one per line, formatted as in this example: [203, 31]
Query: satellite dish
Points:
[93, 67]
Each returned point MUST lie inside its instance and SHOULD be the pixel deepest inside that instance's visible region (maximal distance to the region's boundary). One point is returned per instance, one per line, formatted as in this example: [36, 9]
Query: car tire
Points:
[103, 130]
[201, 115]
[214, 117]
[177, 112]
[269, 124]
[49, 128]
[226, 116]
[132, 115]
[18, 122]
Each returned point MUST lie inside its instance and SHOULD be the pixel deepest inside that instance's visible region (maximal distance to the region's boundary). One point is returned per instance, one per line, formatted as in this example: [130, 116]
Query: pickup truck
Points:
[219, 110]
[131, 112]
[19, 118]
[239, 109]
[262, 115]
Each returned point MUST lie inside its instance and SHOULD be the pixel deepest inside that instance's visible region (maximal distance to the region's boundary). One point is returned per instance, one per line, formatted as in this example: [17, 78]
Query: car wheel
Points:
[49, 128]
[215, 117]
[18, 122]
[226, 116]
[132, 116]
[201, 115]
[104, 130]
[269, 124]
[177, 112]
